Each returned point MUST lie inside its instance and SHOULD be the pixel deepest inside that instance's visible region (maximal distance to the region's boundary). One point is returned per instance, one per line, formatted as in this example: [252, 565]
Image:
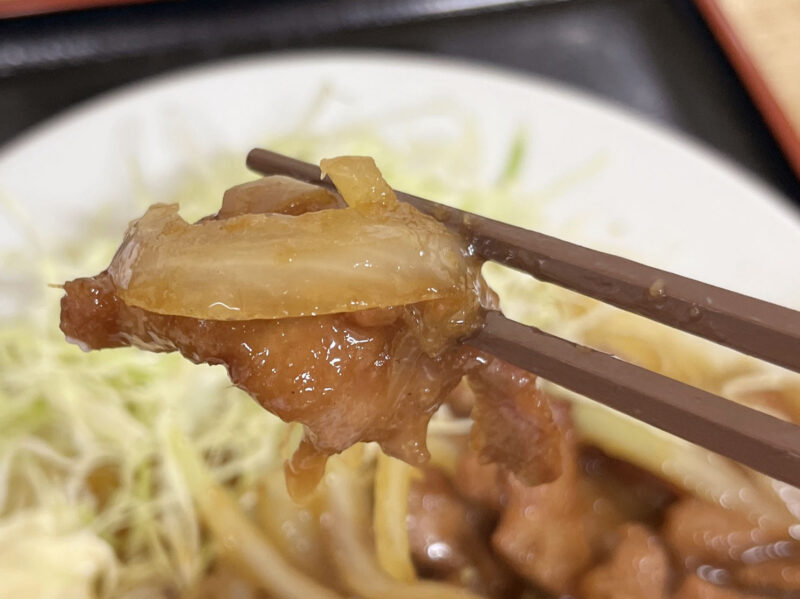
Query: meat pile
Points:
[602, 530]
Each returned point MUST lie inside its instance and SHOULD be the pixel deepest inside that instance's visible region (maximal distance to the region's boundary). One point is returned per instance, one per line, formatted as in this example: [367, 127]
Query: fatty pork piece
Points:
[541, 531]
[449, 538]
[752, 552]
[637, 569]
[345, 319]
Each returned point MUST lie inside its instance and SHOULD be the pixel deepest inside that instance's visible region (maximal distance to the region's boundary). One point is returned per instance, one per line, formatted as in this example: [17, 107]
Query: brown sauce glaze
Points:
[509, 427]
[449, 539]
[371, 375]
[541, 532]
[344, 381]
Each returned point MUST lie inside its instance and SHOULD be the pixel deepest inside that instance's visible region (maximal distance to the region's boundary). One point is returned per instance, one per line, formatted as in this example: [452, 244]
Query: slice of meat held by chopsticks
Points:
[749, 325]
[345, 319]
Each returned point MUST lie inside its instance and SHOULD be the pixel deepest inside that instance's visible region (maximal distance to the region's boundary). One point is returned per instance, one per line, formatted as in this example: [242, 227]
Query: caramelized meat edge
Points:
[361, 376]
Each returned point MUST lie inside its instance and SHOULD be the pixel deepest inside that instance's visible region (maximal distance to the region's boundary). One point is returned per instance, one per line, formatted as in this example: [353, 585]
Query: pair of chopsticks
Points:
[746, 324]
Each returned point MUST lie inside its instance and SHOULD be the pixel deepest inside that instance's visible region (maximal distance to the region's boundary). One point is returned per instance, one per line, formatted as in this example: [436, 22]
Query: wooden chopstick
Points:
[761, 441]
[756, 439]
[752, 326]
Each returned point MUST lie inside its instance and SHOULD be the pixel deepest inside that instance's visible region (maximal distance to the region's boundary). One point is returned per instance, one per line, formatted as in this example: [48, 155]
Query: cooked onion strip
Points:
[374, 254]
[688, 466]
[242, 541]
[392, 482]
[292, 528]
[352, 551]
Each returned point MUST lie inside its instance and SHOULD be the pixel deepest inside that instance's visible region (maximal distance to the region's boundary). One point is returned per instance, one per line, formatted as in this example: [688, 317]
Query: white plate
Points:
[671, 202]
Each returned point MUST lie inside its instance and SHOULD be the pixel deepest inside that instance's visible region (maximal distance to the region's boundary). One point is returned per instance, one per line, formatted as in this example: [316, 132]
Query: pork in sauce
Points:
[637, 569]
[362, 370]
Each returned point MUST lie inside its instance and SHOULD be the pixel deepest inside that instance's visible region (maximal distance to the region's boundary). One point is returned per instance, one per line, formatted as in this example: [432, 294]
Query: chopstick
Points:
[754, 438]
[761, 441]
[752, 326]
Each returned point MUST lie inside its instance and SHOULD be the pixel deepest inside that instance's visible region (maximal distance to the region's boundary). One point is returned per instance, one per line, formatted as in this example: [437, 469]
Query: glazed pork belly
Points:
[341, 311]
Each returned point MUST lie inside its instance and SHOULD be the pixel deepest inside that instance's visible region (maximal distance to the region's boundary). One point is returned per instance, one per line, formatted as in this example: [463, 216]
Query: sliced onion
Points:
[278, 194]
[375, 253]
[358, 180]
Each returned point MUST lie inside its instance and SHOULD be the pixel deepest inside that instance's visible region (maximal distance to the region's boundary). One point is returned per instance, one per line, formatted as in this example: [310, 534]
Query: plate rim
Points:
[683, 141]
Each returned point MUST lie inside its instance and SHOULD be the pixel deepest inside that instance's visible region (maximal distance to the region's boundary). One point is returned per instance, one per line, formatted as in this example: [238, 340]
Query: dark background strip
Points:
[655, 57]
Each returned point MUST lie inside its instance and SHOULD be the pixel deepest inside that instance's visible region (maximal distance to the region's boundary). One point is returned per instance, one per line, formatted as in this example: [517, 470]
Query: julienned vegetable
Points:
[375, 253]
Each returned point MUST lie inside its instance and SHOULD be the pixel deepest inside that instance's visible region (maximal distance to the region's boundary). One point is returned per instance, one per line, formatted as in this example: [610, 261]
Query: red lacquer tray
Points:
[19, 8]
[762, 41]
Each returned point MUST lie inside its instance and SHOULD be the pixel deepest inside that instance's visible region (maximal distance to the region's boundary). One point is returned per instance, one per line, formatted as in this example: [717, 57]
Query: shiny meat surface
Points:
[344, 381]
[346, 377]
[541, 532]
[553, 533]
[484, 484]
[638, 569]
[615, 492]
[752, 555]
[367, 375]
[703, 533]
[506, 404]
[449, 538]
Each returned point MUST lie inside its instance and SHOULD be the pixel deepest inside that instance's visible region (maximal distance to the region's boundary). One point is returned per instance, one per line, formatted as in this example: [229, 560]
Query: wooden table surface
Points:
[762, 38]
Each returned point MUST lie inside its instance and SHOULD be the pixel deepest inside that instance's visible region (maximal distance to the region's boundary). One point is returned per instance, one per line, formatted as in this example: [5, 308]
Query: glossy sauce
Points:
[377, 374]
